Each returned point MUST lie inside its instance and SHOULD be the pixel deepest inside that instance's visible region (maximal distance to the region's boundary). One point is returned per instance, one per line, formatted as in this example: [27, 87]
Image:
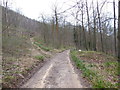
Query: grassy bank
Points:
[100, 69]
[15, 69]
[48, 47]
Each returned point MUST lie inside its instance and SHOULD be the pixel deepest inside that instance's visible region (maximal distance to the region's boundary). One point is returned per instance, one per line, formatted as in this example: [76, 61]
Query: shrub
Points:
[39, 57]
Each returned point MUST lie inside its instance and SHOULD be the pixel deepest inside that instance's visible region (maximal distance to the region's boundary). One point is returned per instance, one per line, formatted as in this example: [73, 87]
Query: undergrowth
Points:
[40, 57]
[93, 73]
[42, 47]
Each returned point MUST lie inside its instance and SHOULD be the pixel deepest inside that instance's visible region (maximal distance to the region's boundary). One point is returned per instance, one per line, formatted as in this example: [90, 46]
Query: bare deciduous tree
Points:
[56, 25]
[114, 27]
[94, 22]
[85, 43]
[119, 29]
[99, 19]
[88, 20]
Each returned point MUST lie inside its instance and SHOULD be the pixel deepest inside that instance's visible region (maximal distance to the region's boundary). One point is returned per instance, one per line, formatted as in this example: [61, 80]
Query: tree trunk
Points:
[80, 34]
[114, 28]
[94, 21]
[101, 37]
[84, 34]
[119, 30]
[53, 30]
[89, 39]
[75, 37]
[57, 27]
[94, 43]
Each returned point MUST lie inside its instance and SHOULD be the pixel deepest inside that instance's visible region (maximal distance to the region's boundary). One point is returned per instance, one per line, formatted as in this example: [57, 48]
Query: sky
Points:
[34, 8]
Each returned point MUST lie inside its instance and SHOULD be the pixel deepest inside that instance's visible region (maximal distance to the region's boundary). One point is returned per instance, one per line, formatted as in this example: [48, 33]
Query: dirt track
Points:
[56, 73]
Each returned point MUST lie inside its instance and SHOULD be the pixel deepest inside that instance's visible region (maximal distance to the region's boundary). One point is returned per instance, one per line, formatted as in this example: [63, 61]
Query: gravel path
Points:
[56, 73]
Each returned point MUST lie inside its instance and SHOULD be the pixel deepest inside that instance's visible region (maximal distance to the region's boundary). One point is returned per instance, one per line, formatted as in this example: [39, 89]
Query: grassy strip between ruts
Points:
[96, 80]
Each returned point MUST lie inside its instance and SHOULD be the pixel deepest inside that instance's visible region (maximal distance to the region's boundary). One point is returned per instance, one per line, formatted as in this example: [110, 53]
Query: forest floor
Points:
[100, 69]
[58, 72]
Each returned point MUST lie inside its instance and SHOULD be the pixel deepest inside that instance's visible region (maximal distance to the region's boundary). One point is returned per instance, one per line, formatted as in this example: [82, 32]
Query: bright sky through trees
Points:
[33, 8]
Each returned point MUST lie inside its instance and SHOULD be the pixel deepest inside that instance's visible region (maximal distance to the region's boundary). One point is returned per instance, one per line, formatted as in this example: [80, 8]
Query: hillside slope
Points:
[17, 70]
